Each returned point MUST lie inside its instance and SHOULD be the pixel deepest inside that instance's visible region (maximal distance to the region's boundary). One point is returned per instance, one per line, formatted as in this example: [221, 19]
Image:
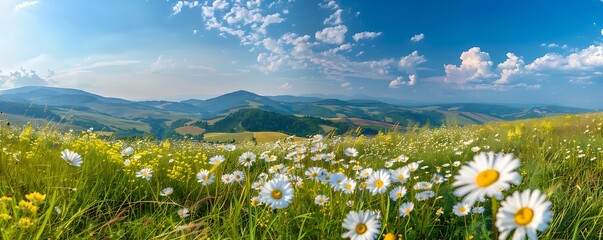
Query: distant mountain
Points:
[80, 109]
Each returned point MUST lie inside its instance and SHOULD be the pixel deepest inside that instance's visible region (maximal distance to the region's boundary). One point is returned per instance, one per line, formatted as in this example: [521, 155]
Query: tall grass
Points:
[103, 199]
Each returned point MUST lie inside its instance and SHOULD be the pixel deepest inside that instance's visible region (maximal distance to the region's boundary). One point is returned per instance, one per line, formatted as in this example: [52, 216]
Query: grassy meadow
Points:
[109, 197]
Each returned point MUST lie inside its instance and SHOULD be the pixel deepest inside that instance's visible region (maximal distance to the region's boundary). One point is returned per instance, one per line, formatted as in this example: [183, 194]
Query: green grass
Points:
[228, 137]
[103, 199]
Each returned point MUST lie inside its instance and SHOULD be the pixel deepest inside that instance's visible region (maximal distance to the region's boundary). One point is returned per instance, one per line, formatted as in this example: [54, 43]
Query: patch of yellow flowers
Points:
[20, 215]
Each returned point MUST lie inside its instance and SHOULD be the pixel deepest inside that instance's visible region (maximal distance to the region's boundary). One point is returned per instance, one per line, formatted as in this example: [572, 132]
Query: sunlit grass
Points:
[103, 198]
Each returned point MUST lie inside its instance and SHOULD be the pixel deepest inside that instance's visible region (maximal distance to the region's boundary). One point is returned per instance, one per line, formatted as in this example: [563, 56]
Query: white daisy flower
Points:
[145, 173]
[351, 152]
[524, 213]
[205, 177]
[406, 208]
[361, 225]
[127, 152]
[166, 191]
[397, 193]
[227, 178]
[378, 182]
[487, 175]
[215, 160]
[72, 158]
[247, 159]
[461, 209]
[238, 176]
[183, 213]
[315, 172]
[277, 193]
[321, 200]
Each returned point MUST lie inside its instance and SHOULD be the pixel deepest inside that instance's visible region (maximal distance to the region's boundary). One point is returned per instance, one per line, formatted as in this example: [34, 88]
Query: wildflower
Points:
[271, 158]
[25, 222]
[58, 210]
[29, 206]
[437, 178]
[230, 147]
[461, 209]
[456, 163]
[35, 197]
[525, 213]
[423, 186]
[238, 176]
[423, 196]
[247, 159]
[296, 181]
[315, 172]
[318, 147]
[227, 178]
[440, 211]
[350, 203]
[5, 216]
[215, 160]
[361, 225]
[205, 177]
[5, 198]
[166, 191]
[321, 200]
[183, 213]
[277, 193]
[413, 166]
[475, 149]
[365, 173]
[397, 193]
[72, 158]
[486, 175]
[145, 173]
[351, 152]
[406, 208]
[348, 186]
[127, 152]
[378, 181]
[255, 201]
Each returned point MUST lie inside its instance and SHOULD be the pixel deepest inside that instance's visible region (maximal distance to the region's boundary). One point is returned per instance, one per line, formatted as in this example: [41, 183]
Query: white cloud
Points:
[180, 4]
[329, 4]
[270, 19]
[220, 4]
[345, 85]
[365, 35]
[333, 35]
[21, 78]
[334, 19]
[417, 37]
[399, 82]
[285, 86]
[512, 66]
[475, 66]
[601, 29]
[24, 5]
[410, 62]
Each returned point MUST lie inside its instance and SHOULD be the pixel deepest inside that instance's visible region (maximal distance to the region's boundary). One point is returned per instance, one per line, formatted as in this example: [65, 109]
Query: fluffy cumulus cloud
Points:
[410, 62]
[365, 35]
[180, 4]
[21, 78]
[334, 19]
[285, 86]
[475, 67]
[333, 35]
[417, 37]
[400, 82]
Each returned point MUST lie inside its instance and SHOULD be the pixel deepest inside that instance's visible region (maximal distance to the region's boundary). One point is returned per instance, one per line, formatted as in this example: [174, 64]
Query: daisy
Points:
[247, 159]
[361, 225]
[488, 175]
[315, 172]
[478, 210]
[127, 152]
[166, 191]
[145, 173]
[277, 193]
[413, 166]
[227, 178]
[321, 200]
[230, 147]
[318, 147]
[475, 149]
[351, 152]
[424, 196]
[397, 193]
[461, 209]
[215, 160]
[255, 201]
[271, 158]
[365, 173]
[348, 186]
[183, 213]
[72, 158]
[437, 178]
[440, 211]
[406, 208]
[238, 176]
[526, 213]
[205, 177]
[422, 186]
[378, 181]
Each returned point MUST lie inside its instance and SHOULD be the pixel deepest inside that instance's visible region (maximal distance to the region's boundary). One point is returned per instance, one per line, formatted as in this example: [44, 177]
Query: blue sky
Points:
[547, 52]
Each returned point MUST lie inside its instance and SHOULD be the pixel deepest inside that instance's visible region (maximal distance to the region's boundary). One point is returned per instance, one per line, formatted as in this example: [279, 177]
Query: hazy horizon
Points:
[512, 52]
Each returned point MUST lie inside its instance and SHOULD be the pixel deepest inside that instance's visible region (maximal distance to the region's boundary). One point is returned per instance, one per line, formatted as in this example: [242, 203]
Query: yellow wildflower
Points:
[36, 197]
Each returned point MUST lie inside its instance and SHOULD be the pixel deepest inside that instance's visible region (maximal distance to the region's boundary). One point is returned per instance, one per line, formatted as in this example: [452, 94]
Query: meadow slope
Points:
[110, 196]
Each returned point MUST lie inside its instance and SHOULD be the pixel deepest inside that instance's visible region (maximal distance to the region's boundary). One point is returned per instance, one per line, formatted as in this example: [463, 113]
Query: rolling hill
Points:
[194, 117]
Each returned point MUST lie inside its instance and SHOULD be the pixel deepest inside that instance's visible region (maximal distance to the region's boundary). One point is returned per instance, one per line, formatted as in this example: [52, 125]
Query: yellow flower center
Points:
[486, 178]
[407, 211]
[361, 228]
[314, 174]
[321, 200]
[363, 185]
[277, 194]
[401, 176]
[348, 186]
[462, 209]
[379, 183]
[144, 174]
[524, 216]
[389, 236]
[399, 194]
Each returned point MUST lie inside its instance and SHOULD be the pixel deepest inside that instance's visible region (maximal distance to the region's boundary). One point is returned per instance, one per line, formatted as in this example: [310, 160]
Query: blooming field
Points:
[529, 178]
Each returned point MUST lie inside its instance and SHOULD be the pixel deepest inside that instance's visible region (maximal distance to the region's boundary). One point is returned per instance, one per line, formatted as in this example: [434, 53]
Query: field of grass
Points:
[192, 130]
[260, 137]
[122, 195]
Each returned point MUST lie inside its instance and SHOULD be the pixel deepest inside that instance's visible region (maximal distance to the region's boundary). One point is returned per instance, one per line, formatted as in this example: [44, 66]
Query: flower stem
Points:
[494, 211]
